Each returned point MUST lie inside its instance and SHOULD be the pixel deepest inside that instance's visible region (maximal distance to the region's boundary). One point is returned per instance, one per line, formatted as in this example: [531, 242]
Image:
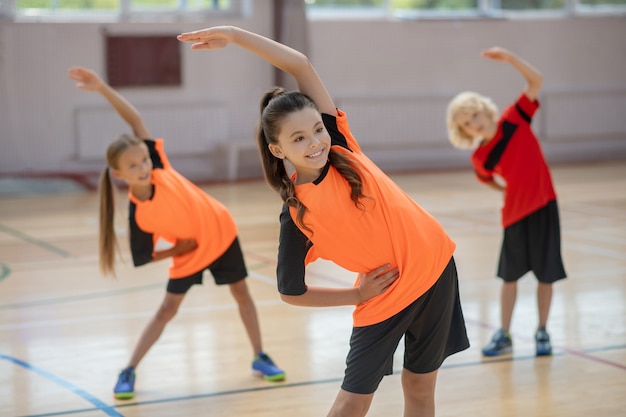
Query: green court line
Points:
[30, 239]
[82, 297]
[4, 271]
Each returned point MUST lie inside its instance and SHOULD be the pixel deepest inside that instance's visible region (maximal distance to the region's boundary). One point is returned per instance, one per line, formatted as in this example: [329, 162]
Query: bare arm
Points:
[181, 247]
[281, 56]
[533, 77]
[495, 185]
[88, 80]
[371, 284]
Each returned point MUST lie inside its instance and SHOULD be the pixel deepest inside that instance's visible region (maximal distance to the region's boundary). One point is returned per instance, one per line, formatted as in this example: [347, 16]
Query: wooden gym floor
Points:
[65, 331]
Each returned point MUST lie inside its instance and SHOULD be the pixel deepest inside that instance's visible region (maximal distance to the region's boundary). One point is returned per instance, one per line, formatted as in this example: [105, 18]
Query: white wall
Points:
[408, 68]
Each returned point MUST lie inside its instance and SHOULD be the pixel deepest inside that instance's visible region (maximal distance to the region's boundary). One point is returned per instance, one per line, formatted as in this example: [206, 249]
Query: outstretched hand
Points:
[377, 281]
[86, 79]
[217, 37]
[497, 54]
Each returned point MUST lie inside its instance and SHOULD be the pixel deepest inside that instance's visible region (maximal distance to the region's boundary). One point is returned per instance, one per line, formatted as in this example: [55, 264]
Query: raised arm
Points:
[88, 80]
[281, 56]
[531, 74]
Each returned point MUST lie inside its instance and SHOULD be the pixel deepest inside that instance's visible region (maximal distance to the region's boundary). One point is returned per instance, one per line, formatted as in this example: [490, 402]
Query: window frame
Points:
[484, 9]
[239, 8]
[124, 13]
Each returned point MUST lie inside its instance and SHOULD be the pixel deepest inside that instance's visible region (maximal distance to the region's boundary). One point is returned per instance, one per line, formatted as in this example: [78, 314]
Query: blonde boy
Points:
[507, 157]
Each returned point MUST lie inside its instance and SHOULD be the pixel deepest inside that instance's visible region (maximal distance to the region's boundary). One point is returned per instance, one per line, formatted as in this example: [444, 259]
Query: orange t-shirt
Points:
[178, 210]
[389, 228]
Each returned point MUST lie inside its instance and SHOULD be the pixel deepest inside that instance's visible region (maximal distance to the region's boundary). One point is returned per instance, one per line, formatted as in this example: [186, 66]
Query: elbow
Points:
[287, 298]
[537, 81]
[300, 64]
[291, 299]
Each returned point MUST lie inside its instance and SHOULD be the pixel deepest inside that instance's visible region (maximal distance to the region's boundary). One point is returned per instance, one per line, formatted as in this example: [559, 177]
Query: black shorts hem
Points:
[433, 328]
[533, 244]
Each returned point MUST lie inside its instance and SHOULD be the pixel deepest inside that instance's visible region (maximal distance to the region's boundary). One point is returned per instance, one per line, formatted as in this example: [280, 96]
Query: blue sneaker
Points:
[264, 367]
[125, 387]
[501, 343]
[542, 339]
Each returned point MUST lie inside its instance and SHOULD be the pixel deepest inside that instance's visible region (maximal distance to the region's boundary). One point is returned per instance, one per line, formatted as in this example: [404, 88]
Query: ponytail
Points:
[108, 240]
[276, 104]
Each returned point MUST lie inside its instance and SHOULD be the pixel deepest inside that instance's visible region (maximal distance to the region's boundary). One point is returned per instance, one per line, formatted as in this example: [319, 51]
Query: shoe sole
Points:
[124, 395]
[273, 378]
[499, 352]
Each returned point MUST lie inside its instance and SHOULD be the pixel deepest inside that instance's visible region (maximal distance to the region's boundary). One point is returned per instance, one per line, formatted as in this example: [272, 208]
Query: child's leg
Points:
[247, 312]
[262, 365]
[544, 300]
[507, 303]
[419, 393]
[349, 404]
[152, 332]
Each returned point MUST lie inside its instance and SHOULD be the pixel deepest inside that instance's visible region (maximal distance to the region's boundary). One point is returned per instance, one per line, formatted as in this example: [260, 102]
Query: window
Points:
[156, 10]
[115, 9]
[439, 8]
[133, 61]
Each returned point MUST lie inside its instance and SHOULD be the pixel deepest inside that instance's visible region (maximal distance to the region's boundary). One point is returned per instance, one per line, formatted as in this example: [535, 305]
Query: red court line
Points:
[574, 352]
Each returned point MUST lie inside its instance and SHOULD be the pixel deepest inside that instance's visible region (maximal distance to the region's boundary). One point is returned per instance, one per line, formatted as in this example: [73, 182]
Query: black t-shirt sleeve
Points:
[154, 154]
[292, 249]
[141, 243]
[336, 137]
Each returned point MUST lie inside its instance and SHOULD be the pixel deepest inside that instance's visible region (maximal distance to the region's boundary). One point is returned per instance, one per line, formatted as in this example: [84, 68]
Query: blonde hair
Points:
[467, 101]
[108, 239]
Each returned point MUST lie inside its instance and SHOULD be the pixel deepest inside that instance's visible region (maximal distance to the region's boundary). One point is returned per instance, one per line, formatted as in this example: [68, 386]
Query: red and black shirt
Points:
[515, 154]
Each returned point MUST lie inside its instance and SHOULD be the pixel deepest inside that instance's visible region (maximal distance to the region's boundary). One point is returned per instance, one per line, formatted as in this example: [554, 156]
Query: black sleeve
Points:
[154, 155]
[508, 129]
[336, 137]
[141, 243]
[292, 249]
[527, 118]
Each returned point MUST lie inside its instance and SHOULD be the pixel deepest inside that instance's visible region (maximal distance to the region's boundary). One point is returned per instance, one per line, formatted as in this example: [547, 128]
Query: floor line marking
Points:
[30, 239]
[575, 352]
[100, 405]
[299, 384]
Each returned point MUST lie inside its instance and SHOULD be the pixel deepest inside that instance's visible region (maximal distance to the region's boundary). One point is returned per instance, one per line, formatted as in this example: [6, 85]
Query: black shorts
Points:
[433, 328]
[533, 244]
[227, 269]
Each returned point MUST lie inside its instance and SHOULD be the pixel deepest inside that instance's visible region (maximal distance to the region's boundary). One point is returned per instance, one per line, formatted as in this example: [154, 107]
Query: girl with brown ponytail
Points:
[164, 205]
[338, 205]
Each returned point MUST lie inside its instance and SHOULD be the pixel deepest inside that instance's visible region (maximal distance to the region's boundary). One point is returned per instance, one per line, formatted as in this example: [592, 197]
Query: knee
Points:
[350, 404]
[239, 290]
[419, 387]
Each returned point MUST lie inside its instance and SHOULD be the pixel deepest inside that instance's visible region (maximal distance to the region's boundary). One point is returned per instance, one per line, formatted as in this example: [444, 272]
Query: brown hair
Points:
[108, 239]
[276, 104]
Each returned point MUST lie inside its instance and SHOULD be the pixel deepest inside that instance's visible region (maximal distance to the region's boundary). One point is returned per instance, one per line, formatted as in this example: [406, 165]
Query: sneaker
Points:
[500, 343]
[263, 366]
[125, 387]
[542, 338]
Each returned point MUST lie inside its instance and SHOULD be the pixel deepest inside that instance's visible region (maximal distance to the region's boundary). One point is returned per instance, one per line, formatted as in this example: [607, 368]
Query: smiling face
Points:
[476, 124]
[304, 141]
[134, 166]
